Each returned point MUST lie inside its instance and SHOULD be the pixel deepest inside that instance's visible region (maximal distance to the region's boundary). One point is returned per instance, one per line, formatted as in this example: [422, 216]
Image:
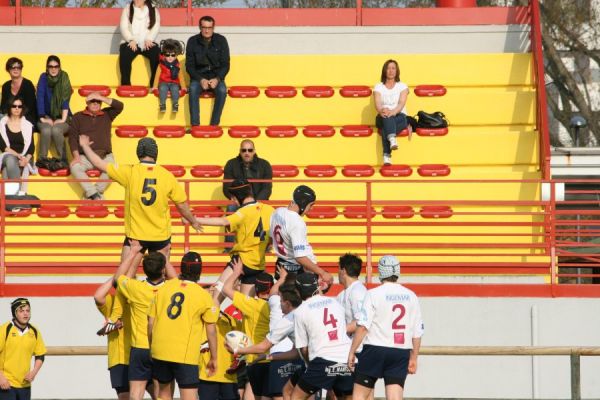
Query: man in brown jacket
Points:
[95, 123]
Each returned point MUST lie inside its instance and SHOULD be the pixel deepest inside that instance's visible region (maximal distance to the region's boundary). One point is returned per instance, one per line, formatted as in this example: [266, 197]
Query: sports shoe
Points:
[393, 141]
[175, 108]
[162, 108]
[109, 327]
[387, 159]
[237, 364]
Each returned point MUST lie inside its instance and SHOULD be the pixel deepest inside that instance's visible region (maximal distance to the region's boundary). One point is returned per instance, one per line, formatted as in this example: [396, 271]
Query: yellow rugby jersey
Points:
[16, 350]
[225, 323]
[139, 294]
[251, 224]
[148, 189]
[256, 318]
[180, 310]
[119, 341]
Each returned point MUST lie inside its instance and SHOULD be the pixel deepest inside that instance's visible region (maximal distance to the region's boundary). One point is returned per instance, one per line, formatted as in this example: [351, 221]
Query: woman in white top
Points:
[390, 103]
[140, 22]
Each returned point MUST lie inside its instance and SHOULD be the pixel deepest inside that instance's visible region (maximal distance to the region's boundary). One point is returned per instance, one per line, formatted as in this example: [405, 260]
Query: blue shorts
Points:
[16, 394]
[208, 390]
[279, 373]
[258, 375]
[382, 362]
[186, 375]
[140, 364]
[119, 378]
[149, 244]
[324, 374]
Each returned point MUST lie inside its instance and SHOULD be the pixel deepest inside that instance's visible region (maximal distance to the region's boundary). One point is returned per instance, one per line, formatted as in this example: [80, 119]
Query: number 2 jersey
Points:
[148, 189]
[288, 231]
[180, 311]
[392, 315]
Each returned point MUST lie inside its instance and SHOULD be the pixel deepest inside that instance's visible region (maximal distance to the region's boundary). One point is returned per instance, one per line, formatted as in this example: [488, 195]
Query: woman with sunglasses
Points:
[16, 142]
[18, 86]
[53, 95]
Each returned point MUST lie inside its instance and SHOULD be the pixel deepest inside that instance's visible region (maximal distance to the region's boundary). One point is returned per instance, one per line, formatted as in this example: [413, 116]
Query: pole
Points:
[575, 376]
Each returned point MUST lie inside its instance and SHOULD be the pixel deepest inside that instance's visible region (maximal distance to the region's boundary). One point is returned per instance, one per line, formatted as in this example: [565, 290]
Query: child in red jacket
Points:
[168, 80]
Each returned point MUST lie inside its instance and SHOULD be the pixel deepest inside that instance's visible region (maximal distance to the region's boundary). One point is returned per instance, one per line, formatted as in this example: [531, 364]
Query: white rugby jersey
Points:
[288, 231]
[319, 323]
[392, 315]
[352, 300]
[275, 317]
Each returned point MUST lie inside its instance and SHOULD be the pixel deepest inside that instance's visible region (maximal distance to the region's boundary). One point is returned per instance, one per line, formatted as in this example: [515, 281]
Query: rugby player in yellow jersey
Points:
[179, 314]
[148, 189]
[251, 226]
[255, 322]
[19, 341]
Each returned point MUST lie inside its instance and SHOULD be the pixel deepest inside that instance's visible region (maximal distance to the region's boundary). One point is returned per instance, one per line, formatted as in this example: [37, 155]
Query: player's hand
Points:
[135, 246]
[211, 367]
[351, 358]
[326, 277]
[281, 271]
[4, 383]
[412, 365]
[30, 376]
[84, 140]
[197, 226]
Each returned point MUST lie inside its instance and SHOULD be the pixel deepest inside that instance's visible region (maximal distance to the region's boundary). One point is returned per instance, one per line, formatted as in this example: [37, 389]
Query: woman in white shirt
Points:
[390, 103]
[139, 26]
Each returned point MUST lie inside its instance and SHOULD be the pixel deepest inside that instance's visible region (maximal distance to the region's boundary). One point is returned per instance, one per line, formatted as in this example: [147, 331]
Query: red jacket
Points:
[165, 72]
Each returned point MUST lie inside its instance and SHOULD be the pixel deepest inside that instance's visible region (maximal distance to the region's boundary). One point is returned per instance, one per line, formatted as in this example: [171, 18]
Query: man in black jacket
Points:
[207, 62]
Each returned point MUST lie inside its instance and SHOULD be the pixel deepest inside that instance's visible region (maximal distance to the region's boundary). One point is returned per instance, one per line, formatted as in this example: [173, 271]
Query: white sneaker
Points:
[387, 159]
[393, 141]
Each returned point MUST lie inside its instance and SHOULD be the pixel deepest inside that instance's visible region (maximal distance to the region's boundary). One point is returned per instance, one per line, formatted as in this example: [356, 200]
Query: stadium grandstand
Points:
[496, 250]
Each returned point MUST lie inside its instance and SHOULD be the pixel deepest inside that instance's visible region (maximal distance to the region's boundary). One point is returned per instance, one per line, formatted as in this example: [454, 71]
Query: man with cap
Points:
[19, 341]
[390, 328]
[95, 123]
[148, 189]
[290, 241]
[181, 310]
[320, 332]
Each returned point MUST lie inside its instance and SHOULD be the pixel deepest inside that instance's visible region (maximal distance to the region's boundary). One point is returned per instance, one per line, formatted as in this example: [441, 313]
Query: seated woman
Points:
[139, 26]
[390, 103]
[16, 143]
[53, 95]
[18, 86]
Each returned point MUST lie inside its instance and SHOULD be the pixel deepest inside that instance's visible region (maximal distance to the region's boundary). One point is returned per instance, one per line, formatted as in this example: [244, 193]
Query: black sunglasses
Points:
[170, 55]
[16, 67]
[16, 106]
[246, 150]
[53, 66]
[95, 101]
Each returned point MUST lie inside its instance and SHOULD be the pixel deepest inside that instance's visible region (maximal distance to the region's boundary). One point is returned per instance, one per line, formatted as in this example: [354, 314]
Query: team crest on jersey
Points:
[339, 369]
[288, 370]
[332, 335]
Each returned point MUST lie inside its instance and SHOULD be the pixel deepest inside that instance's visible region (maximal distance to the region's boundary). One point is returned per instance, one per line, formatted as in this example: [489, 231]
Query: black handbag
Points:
[32, 202]
[51, 164]
[434, 120]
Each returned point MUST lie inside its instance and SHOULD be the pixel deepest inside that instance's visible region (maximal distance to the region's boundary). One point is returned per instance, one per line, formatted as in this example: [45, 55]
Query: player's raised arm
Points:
[102, 292]
[237, 267]
[131, 261]
[186, 213]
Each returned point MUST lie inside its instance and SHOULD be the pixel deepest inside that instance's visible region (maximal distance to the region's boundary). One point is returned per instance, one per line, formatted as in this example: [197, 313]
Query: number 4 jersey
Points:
[392, 315]
[180, 311]
[148, 189]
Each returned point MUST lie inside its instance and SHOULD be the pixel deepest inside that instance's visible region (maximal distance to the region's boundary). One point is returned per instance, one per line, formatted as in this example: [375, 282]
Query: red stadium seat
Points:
[322, 212]
[280, 131]
[281, 91]
[132, 91]
[357, 170]
[93, 173]
[317, 91]
[434, 170]
[19, 213]
[436, 212]
[356, 130]
[396, 212]
[85, 90]
[244, 131]
[355, 91]
[91, 211]
[131, 131]
[169, 131]
[403, 133]
[318, 131]
[207, 94]
[177, 170]
[395, 170]
[53, 211]
[210, 131]
[430, 90]
[207, 171]
[119, 212]
[243, 91]
[175, 212]
[432, 131]
[320, 171]
[58, 173]
[285, 171]
[359, 212]
[207, 211]
[182, 92]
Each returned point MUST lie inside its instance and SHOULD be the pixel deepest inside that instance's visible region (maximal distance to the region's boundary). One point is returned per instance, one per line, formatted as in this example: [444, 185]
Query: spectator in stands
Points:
[247, 165]
[53, 96]
[207, 63]
[16, 142]
[139, 26]
[169, 78]
[95, 123]
[18, 86]
[390, 103]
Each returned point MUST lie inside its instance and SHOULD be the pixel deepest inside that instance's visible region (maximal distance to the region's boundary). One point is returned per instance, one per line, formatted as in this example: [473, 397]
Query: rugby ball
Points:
[237, 340]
